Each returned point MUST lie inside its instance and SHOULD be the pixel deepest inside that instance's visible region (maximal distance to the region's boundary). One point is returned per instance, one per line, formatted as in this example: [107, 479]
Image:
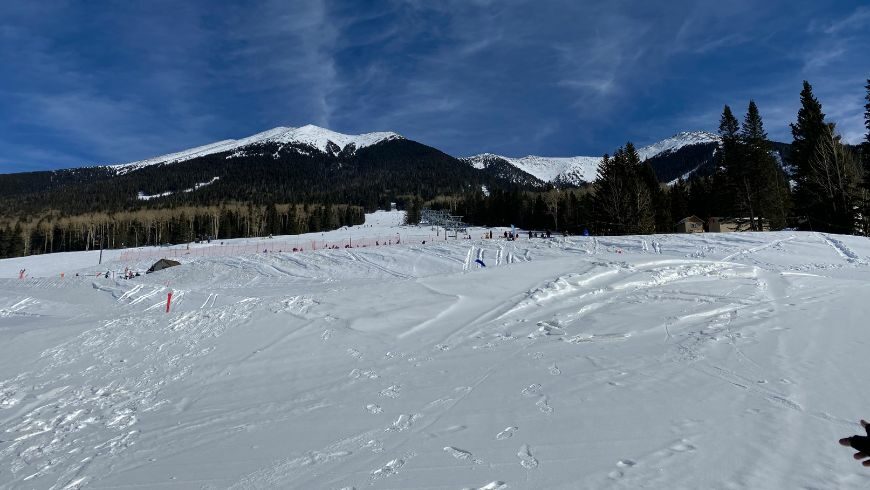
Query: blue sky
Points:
[85, 83]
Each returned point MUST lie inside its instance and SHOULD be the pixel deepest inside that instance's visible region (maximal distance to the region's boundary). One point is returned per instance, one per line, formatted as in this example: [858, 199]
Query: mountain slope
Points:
[679, 153]
[573, 170]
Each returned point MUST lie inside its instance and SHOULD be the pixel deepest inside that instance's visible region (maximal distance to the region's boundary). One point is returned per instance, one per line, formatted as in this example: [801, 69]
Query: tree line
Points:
[54, 232]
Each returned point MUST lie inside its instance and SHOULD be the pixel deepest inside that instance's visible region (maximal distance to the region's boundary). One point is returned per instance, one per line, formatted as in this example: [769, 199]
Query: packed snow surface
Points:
[311, 135]
[576, 170]
[671, 361]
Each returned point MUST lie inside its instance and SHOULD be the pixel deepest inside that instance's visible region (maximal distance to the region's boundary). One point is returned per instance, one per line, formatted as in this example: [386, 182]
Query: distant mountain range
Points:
[313, 164]
[583, 169]
[533, 170]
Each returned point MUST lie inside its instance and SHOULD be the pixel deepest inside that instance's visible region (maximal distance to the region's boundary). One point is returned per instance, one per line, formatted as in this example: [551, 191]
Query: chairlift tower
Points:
[441, 218]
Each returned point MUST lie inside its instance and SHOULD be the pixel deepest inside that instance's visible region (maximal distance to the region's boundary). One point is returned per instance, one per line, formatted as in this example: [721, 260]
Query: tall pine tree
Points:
[766, 192]
[808, 134]
[731, 162]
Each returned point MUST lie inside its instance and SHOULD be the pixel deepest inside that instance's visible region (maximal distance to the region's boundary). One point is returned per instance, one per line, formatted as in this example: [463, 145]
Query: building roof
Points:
[692, 218]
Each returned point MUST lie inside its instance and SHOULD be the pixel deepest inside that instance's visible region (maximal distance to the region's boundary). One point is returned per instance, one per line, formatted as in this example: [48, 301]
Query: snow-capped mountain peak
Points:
[310, 135]
[320, 137]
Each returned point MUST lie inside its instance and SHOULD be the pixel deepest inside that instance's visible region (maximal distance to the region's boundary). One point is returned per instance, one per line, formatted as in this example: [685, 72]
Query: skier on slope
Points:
[861, 443]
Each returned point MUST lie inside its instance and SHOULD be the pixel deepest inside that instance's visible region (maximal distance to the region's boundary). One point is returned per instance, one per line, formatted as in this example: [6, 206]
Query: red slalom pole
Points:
[168, 301]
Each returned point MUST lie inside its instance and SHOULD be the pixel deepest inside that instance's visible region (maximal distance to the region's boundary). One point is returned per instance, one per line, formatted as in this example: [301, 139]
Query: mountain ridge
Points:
[577, 170]
[532, 169]
[309, 135]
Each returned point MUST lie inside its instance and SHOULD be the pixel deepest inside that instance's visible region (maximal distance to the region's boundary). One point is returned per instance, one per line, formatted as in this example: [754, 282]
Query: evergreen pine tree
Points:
[700, 197]
[731, 163]
[729, 128]
[609, 196]
[273, 219]
[412, 211]
[5, 239]
[764, 188]
[808, 134]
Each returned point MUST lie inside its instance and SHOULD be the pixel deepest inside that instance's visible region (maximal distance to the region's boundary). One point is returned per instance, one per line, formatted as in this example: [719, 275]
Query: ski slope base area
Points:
[726, 361]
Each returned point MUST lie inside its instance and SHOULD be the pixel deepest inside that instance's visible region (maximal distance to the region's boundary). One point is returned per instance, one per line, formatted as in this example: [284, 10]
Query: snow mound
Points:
[311, 135]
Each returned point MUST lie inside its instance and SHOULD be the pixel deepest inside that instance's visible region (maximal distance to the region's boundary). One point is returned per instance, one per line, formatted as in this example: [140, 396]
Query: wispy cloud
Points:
[512, 76]
[823, 56]
[858, 19]
[285, 47]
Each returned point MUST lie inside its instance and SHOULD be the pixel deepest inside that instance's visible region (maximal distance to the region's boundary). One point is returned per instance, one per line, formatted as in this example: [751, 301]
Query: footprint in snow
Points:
[403, 423]
[506, 434]
[461, 454]
[390, 391]
[532, 390]
[544, 406]
[682, 447]
[375, 445]
[391, 468]
[526, 459]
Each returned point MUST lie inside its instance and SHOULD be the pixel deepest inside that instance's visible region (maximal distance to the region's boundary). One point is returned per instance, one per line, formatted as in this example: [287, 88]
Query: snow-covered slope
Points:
[676, 142]
[310, 135]
[580, 169]
[670, 361]
[547, 169]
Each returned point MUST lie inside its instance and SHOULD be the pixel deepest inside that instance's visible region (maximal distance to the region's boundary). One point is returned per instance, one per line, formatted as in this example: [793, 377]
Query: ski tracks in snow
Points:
[82, 406]
[842, 249]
